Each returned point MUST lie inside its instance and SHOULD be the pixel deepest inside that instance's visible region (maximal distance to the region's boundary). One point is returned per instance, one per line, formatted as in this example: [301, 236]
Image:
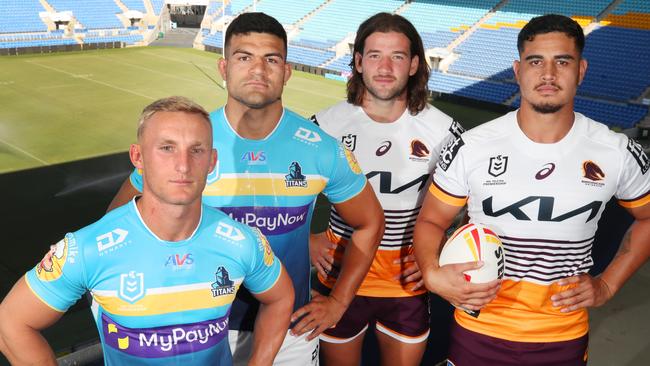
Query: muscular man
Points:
[273, 164]
[163, 269]
[396, 136]
[539, 177]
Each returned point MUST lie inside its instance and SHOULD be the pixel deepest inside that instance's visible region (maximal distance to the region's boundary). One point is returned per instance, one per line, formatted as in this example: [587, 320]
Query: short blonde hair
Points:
[171, 104]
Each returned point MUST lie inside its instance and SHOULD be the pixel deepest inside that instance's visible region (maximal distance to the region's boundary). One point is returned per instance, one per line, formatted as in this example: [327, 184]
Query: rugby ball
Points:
[475, 242]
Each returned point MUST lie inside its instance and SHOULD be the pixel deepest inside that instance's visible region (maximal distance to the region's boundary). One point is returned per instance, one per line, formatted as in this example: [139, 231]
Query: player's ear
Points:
[287, 72]
[213, 160]
[357, 62]
[583, 70]
[222, 67]
[415, 63]
[515, 69]
[135, 153]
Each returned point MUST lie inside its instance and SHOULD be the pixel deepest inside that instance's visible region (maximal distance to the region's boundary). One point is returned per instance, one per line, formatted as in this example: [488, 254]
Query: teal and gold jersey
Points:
[157, 302]
[272, 184]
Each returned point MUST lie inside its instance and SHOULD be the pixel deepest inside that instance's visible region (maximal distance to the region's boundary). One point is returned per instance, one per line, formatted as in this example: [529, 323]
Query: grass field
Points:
[68, 106]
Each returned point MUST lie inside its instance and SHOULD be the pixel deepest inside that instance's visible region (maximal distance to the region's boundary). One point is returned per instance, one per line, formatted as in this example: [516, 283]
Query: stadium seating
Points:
[488, 53]
[157, 6]
[341, 64]
[214, 40]
[93, 14]
[519, 12]
[21, 16]
[630, 14]
[288, 11]
[135, 5]
[485, 90]
[308, 56]
[441, 21]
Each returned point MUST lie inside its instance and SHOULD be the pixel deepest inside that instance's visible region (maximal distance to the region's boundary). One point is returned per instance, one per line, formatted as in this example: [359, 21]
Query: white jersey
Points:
[398, 159]
[544, 201]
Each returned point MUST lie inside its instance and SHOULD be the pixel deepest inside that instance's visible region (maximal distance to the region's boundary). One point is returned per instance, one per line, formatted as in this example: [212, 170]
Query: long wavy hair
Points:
[417, 91]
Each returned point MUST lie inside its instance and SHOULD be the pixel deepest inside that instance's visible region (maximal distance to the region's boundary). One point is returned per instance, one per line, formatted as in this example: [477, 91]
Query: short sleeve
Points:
[59, 279]
[346, 179]
[633, 188]
[449, 184]
[264, 268]
[136, 179]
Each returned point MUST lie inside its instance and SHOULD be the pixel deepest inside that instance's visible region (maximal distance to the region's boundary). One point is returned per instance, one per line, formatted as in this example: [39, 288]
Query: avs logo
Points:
[545, 208]
[295, 178]
[639, 155]
[111, 241]
[383, 148]
[448, 153]
[349, 141]
[131, 286]
[229, 232]
[546, 170]
[456, 129]
[307, 135]
[179, 262]
[222, 285]
[498, 165]
[254, 157]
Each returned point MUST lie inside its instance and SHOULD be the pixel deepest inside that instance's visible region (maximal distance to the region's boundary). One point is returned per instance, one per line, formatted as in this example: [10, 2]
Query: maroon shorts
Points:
[403, 318]
[469, 348]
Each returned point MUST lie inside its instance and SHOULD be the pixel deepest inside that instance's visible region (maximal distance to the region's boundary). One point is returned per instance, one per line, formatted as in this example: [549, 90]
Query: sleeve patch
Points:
[50, 267]
[449, 152]
[456, 129]
[639, 155]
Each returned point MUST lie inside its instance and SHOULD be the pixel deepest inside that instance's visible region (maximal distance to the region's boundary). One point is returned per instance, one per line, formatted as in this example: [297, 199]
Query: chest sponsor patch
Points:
[270, 220]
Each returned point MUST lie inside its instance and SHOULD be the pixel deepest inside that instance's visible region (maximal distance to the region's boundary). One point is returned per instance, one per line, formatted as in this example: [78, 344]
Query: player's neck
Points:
[251, 123]
[384, 111]
[169, 222]
[545, 128]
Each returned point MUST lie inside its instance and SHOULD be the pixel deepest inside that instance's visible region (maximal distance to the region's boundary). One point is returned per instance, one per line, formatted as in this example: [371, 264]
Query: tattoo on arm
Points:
[624, 248]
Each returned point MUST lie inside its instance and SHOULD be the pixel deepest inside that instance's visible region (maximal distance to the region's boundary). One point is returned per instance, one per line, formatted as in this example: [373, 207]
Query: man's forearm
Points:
[357, 258]
[632, 254]
[26, 347]
[427, 239]
[271, 327]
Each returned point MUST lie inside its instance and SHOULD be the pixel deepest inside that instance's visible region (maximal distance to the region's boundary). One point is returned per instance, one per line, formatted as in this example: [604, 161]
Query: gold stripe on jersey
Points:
[382, 279]
[164, 302]
[246, 186]
[636, 202]
[446, 197]
[523, 312]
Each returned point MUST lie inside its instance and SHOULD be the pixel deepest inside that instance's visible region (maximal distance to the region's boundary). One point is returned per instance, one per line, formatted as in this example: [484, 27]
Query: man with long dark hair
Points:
[395, 136]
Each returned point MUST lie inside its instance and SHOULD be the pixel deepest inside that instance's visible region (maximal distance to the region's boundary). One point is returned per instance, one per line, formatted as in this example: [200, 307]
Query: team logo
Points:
[498, 165]
[419, 149]
[222, 284]
[111, 241]
[50, 267]
[307, 135]
[352, 161]
[592, 171]
[265, 247]
[295, 178]
[254, 157]
[546, 170]
[639, 155]
[456, 129]
[349, 141]
[383, 148]
[229, 232]
[448, 152]
[131, 286]
[179, 262]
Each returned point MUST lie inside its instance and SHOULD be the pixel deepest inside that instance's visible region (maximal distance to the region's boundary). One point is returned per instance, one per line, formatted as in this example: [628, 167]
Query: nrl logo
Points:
[131, 286]
[498, 165]
[349, 141]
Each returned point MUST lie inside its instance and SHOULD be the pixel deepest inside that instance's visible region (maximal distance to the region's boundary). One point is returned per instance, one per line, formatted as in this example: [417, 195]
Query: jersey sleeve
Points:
[346, 179]
[263, 269]
[449, 183]
[59, 279]
[633, 188]
[136, 179]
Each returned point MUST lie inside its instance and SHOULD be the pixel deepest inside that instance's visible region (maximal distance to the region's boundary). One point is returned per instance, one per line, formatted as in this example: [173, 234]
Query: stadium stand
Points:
[440, 22]
[92, 14]
[214, 39]
[308, 56]
[157, 6]
[288, 11]
[630, 14]
[480, 89]
[135, 5]
[519, 12]
[21, 16]
[341, 64]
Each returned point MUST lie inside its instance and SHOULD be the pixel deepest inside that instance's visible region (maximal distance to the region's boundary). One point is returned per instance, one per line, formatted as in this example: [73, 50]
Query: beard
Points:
[386, 95]
[546, 108]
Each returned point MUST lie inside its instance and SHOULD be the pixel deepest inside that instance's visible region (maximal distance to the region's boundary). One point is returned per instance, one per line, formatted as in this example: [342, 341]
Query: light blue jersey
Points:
[272, 184]
[158, 302]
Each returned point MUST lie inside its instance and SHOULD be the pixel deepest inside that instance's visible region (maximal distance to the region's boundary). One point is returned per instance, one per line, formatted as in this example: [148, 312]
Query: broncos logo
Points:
[592, 171]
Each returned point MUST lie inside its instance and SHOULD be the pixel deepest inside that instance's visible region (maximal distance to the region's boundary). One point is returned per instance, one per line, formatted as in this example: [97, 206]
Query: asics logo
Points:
[546, 170]
[383, 148]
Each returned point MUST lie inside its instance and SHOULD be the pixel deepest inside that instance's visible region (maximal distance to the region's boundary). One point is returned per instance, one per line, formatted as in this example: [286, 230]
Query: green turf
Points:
[69, 106]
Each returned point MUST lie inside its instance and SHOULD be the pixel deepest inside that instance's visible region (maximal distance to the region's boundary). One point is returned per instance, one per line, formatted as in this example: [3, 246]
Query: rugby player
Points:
[163, 269]
[540, 178]
[273, 164]
[396, 137]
